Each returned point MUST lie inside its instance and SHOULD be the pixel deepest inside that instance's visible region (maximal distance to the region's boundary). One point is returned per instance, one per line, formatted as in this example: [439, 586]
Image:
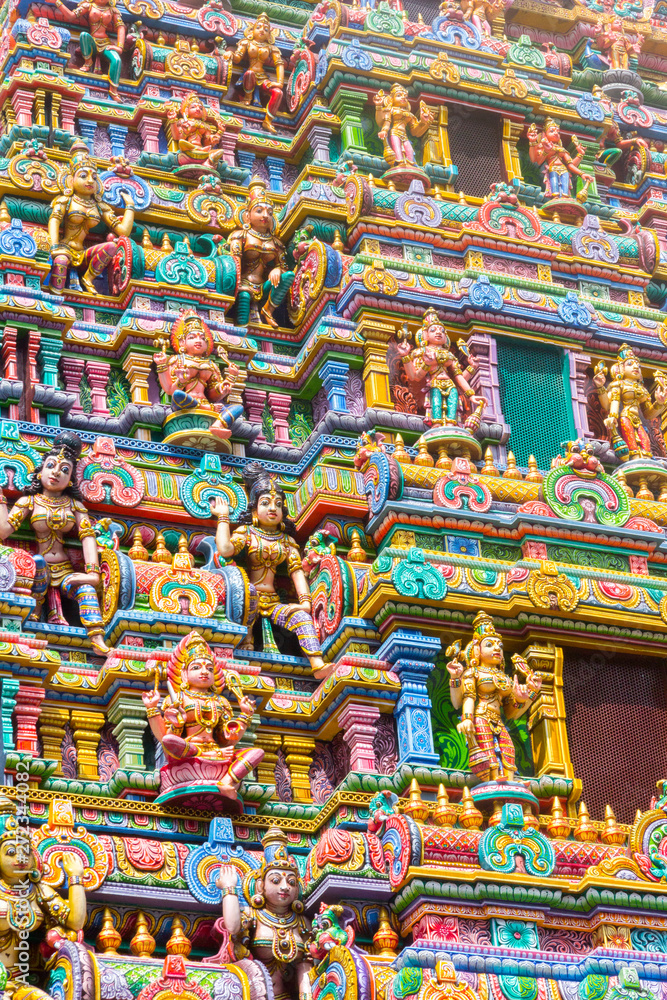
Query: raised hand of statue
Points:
[72, 865]
[403, 348]
[151, 699]
[247, 705]
[227, 878]
[600, 378]
[128, 200]
[455, 667]
[660, 392]
[232, 370]
[219, 506]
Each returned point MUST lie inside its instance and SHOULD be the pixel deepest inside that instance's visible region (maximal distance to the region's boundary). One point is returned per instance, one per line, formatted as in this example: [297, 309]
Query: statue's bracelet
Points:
[92, 568]
[227, 892]
[152, 712]
[75, 879]
[455, 684]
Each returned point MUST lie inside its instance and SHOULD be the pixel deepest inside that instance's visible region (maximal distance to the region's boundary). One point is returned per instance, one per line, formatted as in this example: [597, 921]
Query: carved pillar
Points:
[349, 106]
[376, 335]
[435, 145]
[255, 401]
[22, 101]
[118, 135]
[270, 743]
[72, 371]
[52, 723]
[299, 752]
[10, 688]
[279, 404]
[334, 375]
[578, 363]
[546, 722]
[228, 143]
[587, 165]
[32, 376]
[358, 724]
[485, 381]
[276, 167]
[137, 366]
[87, 727]
[149, 130]
[412, 655]
[88, 128]
[97, 373]
[50, 350]
[246, 159]
[128, 717]
[26, 713]
[319, 137]
[9, 365]
[67, 113]
[511, 134]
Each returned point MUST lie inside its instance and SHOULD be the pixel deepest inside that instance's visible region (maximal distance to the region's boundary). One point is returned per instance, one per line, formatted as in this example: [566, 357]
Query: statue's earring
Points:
[255, 521]
[297, 906]
[257, 901]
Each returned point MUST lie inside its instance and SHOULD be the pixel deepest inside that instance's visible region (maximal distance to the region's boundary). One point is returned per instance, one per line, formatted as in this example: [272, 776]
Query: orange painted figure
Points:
[258, 49]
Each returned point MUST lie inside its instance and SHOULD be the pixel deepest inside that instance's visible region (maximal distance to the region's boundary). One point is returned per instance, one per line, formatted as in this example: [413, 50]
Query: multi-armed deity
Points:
[394, 117]
[198, 391]
[102, 17]
[261, 264]
[266, 534]
[483, 692]
[53, 504]
[258, 50]
[198, 130]
[271, 927]
[197, 728]
[625, 399]
[28, 904]
[557, 165]
[74, 213]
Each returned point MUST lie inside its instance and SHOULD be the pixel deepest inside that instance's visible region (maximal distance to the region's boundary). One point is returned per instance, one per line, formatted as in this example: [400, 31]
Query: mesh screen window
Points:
[616, 718]
[474, 143]
[534, 399]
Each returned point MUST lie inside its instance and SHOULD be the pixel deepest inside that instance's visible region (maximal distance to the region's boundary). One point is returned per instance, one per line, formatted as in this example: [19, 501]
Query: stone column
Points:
[358, 724]
[279, 404]
[32, 376]
[349, 105]
[319, 137]
[412, 655]
[578, 363]
[97, 373]
[376, 335]
[128, 717]
[149, 130]
[137, 366]
[299, 752]
[255, 401]
[485, 382]
[10, 688]
[246, 159]
[87, 726]
[72, 370]
[88, 128]
[118, 135]
[26, 713]
[546, 721]
[334, 375]
[511, 134]
[52, 723]
[10, 365]
[22, 101]
[50, 350]
[67, 113]
[270, 743]
[276, 167]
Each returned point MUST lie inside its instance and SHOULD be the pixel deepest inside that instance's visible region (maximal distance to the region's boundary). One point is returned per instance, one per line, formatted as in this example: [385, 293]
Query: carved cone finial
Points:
[584, 830]
[178, 943]
[108, 939]
[612, 833]
[143, 943]
[511, 472]
[138, 552]
[470, 817]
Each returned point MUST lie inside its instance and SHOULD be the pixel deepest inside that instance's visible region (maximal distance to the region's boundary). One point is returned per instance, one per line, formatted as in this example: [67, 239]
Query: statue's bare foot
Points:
[267, 316]
[220, 431]
[87, 282]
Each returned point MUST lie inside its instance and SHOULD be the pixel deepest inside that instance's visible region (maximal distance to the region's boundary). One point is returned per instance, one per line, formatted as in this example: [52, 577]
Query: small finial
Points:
[558, 825]
[108, 940]
[146, 240]
[584, 830]
[462, 198]
[5, 217]
[356, 553]
[385, 937]
[178, 943]
[489, 468]
[612, 833]
[338, 242]
[444, 461]
[166, 243]
[644, 493]
[444, 813]
[161, 553]
[371, 180]
[534, 475]
[423, 457]
[143, 943]
[511, 472]
[400, 453]
[470, 817]
[662, 498]
[138, 552]
[416, 807]
[624, 483]
[437, 193]
[530, 819]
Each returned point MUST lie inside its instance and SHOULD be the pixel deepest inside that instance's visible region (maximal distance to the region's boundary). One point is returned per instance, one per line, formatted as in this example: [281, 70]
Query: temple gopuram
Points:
[333, 499]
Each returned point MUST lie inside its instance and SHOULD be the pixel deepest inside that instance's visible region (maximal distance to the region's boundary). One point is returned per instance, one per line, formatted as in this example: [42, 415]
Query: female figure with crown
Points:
[74, 213]
[266, 534]
[625, 399]
[258, 47]
[261, 263]
[26, 903]
[274, 929]
[103, 16]
[195, 721]
[480, 687]
[54, 505]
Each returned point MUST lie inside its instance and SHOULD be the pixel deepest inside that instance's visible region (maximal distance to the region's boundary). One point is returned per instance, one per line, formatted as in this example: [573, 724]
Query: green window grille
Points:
[535, 396]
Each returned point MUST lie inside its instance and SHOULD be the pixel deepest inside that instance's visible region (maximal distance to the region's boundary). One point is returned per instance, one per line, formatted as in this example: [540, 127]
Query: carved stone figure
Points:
[103, 18]
[273, 929]
[266, 535]
[394, 118]
[261, 263]
[74, 213]
[198, 130]
[196, 723]
[54, 505]
[615, 45]
[625, 399]
[556, 164]
[257, 49]
[27, 903]
[481, 689]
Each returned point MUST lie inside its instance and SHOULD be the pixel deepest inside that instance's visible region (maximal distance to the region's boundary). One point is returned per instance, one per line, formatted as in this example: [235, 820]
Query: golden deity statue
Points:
[481, 689]
[266, 534]
[261, 263]
[102, 16]
[481, 13]
[625, 399]
[258, 49]
[54, 506]
[394, 118]
[74, 213]
[195, 721]
[616, 46]
[28, 904]
[198, 130]
[273, 930]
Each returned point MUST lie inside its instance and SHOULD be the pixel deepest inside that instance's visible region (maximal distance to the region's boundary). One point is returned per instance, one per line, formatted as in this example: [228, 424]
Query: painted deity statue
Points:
[267, 536]
[192, 379]
[258, 50]
[28, 904]
[432, 365]
[481, 689]
[394, 118]
[625, 399]
[558, 167]
[74, 213]
[481, 13]
[616, 47]
[103, 18]
[273, 929]
[195, 720]
[261, 263]
[198, 130]
[54, 507]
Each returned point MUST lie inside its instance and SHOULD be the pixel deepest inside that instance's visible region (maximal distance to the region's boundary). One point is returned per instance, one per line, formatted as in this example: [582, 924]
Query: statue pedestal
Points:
[615, 82]
[192, 429]
[195, 783]
[567, 209]
[455, 440]
[490, 793]
[405, 173]
[643, 473]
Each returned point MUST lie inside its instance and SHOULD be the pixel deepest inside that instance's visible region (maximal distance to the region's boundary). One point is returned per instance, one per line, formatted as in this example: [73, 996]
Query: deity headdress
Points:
[79, 157]
[10, 829]
[188, 318]
[263, 20]
[66, 447]
[482, 628]
[625, 353]
[193, 647]
[257, 195]
[276, 855]
[430, 318]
